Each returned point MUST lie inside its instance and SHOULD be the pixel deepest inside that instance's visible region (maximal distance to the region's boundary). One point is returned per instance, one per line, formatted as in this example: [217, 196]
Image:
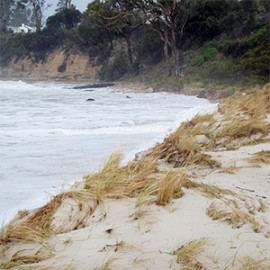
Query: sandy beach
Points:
[199, 200]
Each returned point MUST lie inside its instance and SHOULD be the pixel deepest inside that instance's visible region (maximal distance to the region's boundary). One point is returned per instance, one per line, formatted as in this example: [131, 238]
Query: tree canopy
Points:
[135, 33]
[67, 18]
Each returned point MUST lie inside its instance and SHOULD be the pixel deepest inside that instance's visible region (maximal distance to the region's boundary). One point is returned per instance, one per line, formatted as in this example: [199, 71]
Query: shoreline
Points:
[125, 86]
[214, 204]
[131, 154]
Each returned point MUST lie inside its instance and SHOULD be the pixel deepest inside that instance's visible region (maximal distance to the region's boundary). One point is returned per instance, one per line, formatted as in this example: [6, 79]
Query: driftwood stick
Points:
[251, 190]
[246, 189]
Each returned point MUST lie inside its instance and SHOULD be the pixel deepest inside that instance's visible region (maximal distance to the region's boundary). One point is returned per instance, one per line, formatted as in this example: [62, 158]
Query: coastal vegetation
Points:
[186, 254]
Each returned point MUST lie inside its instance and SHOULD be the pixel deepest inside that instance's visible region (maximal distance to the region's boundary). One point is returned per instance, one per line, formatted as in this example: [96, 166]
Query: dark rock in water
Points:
[95, 85]
[90, 99]
[128, 97]
[202, 94]
[89, 90]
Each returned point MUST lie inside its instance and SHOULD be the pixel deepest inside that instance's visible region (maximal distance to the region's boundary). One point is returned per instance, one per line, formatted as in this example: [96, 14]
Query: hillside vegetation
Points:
[204, 42]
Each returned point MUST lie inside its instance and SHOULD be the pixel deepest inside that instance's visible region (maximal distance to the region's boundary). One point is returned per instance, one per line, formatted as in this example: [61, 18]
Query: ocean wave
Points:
[140, 129]
[116, 130]
[10, 85]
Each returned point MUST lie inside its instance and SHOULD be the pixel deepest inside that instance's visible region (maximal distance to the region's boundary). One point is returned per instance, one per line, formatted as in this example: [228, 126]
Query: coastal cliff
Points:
[57, 65]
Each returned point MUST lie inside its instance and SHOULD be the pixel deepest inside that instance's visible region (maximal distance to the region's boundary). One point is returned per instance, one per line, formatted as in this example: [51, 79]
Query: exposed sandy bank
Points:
[57, 65]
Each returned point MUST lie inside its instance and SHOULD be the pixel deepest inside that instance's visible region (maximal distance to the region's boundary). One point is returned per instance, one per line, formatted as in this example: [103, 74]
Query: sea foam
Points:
[50, 134]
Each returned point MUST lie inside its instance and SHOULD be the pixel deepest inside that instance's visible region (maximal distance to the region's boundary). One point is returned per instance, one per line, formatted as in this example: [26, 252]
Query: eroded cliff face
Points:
[58, 65]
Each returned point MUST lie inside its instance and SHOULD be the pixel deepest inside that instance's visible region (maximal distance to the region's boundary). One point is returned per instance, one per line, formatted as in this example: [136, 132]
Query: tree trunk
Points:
[177, 56]
[68, 3]
[4, 25]
[37, 15]
[129, 51]
[165, 38]
[178, 62]
[110, 38]
[5, 12]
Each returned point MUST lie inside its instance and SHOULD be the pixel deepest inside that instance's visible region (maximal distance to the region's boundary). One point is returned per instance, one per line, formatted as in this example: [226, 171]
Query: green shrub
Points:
[66, 18]
[115, 70]
[148, 47]
[209, 53]
[62, 68]
[198, 61]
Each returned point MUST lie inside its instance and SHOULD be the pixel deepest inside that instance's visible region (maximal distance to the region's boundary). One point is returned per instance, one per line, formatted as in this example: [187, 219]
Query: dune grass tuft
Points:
[181, 148]
[170, 186]
[239, 128]
[116, 181]
[245, 116]
[187, 254]
[205, 118]
[21, 233]
[251, 264]
[261, 157]
[37, 226]
[232, 214]
[210, 191]
[23, 260]
[254, 104]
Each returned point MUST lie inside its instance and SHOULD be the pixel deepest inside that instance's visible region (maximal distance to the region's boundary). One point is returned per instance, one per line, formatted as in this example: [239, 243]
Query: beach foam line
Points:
[114, 130]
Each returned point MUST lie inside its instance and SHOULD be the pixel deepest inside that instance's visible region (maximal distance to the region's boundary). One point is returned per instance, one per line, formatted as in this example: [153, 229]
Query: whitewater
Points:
[50, 136]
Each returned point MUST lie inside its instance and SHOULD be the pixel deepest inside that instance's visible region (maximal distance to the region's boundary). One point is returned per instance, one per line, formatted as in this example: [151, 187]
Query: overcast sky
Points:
[80, 4]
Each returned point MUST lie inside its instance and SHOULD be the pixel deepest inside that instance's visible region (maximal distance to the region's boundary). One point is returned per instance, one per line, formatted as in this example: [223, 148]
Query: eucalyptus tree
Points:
[65, 19]
[20, 16]
[64, 4]
[169, 19]
[118, 16]
[6, 7]
[37, 7]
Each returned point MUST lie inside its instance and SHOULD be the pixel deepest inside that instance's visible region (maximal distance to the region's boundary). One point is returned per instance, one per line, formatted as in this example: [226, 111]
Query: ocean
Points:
[51, 136]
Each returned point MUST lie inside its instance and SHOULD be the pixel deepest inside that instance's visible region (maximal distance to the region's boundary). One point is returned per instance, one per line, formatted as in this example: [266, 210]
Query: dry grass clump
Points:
[231, 213]
[116, 181]
[245, 117]
[111, 181]
[170, 186]
[251, 264]
[186, 254]
[239, 128]
[208, 118]
[23, 232]
[208, 190]
[181, 148]
[255, 104]
[261, 157]
[37, 226]
[139, 179]
[178, 146]
[24, 258]
[207, 160]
